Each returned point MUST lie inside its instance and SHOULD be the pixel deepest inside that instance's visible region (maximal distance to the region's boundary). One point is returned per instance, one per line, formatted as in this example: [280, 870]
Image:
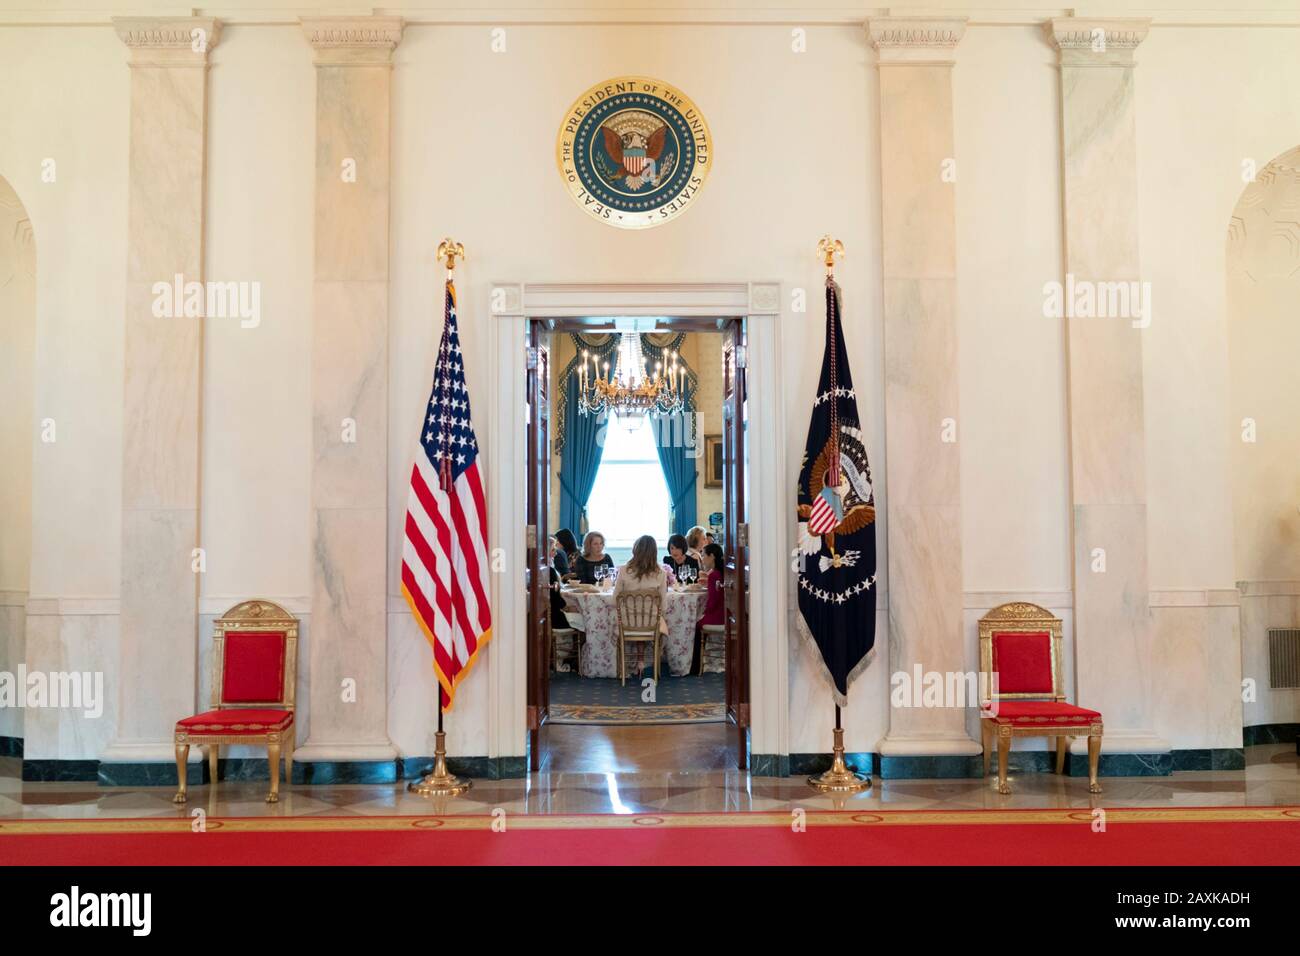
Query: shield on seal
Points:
[634, 160]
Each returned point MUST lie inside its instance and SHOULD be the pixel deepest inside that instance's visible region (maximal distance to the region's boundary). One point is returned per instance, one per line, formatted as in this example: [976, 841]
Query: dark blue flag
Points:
[837, 521]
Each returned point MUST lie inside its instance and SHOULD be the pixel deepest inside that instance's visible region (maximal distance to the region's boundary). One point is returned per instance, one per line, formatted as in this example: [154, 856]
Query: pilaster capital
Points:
[1097, 41]
[916, 40]
[168, 41]
[353, 41]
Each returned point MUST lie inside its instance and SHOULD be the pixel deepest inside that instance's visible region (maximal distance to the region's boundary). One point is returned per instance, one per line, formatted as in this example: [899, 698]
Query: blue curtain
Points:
[679, 468]
[678, 439]
[579, 451]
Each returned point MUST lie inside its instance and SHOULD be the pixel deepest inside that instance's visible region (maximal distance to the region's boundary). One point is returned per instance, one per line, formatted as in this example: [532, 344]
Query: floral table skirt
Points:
[600, 652]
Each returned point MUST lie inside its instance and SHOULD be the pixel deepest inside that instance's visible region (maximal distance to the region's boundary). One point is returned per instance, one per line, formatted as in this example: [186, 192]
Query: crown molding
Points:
[1269, 13]
[168, 41]
[912, 40]
[353, 41]
[1097, 41]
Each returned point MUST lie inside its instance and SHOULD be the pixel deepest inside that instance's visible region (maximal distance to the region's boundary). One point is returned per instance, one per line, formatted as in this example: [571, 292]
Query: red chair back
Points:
[256, 654]
[1020, 653]
[253, 667]
[1023, 662]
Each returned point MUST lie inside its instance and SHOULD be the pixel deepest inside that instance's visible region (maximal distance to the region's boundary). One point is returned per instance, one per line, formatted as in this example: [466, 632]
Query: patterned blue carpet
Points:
[604, 700]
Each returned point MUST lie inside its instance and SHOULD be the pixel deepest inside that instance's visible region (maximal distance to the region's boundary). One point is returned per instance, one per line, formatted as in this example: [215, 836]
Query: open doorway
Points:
[636, 429]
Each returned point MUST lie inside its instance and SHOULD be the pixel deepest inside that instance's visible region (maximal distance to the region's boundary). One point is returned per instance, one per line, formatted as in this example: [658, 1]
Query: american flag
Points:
[444, 557]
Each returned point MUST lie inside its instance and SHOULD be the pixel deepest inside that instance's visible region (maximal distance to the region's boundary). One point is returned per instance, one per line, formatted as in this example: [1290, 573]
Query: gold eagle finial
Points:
[829, 247]
[448, 250]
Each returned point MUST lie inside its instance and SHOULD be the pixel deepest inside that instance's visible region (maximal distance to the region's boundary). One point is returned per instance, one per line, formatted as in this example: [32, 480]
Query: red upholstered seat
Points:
[1042, 712]
[237, 721]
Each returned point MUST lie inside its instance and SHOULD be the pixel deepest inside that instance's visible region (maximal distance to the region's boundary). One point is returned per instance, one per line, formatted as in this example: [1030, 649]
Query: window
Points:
[630, 496]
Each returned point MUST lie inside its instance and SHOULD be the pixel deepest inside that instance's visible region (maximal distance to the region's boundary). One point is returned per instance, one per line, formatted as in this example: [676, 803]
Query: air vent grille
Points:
[1283, 657]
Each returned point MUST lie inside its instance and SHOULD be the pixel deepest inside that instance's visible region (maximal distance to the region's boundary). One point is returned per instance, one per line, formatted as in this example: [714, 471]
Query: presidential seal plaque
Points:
[634, 152]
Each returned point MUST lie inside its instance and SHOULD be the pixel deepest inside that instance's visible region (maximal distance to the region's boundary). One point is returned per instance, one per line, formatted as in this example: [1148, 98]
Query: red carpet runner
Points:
[1139, 836]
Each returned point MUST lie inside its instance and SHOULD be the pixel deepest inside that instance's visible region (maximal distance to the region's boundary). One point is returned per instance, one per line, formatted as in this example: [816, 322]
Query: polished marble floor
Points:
[632, 770]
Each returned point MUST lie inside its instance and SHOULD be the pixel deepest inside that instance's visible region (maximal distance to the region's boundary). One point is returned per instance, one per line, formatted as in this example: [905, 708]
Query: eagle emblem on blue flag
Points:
[837, 521]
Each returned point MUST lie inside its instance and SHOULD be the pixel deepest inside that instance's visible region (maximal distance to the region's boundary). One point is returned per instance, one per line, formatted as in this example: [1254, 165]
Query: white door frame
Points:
[771, 520]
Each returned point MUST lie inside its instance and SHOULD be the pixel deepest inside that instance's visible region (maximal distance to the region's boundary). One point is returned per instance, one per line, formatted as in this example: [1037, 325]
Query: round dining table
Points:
[599, 622]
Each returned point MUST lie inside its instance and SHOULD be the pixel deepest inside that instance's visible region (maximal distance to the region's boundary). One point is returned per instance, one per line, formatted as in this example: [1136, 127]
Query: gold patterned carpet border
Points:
[606, 821]
[643, 715]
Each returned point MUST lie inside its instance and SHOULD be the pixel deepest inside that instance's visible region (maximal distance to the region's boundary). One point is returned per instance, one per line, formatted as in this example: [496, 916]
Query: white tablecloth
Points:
[600, 652]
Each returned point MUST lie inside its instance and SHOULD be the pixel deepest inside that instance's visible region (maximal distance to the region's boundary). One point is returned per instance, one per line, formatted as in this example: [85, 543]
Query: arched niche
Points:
[1263, 304]
[1263, 298]
[17, 373]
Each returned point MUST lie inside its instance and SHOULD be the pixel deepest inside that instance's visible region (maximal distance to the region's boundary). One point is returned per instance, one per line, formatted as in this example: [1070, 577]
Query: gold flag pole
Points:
[838, 779]
[439, 782]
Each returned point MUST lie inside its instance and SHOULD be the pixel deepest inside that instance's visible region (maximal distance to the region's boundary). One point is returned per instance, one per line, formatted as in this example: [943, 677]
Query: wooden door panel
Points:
[736, 545]
[537, 558]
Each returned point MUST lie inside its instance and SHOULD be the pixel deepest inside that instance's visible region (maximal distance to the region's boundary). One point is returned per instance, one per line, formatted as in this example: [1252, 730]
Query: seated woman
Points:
[558, 617]
[679, 562]
[696, 539]
[642, 573]
[566, 551]
[592, 558]
[715, 605]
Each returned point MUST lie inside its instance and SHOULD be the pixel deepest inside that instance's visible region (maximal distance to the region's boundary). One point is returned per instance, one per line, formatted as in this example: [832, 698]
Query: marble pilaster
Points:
[163, 367]
[923, 482]
[349, 362]
[1112, 614]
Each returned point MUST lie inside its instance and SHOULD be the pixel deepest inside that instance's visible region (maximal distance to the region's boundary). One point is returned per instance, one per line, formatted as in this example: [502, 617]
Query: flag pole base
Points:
[438, 782]
[839, 779]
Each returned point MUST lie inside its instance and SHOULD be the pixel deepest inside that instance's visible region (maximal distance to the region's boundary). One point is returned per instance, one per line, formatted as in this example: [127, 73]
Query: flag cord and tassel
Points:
[439, 782]
[839, 778]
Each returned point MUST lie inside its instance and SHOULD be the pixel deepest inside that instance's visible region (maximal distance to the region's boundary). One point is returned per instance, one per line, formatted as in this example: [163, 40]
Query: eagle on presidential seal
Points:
[844, 506]
[635, 141]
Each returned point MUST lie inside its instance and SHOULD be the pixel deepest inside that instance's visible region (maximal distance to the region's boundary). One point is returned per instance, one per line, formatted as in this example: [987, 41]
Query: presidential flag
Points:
[444, 557]
[837, 521]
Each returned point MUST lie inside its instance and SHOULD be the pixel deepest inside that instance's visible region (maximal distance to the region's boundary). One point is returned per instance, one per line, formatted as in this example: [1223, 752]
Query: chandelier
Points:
[630, 391]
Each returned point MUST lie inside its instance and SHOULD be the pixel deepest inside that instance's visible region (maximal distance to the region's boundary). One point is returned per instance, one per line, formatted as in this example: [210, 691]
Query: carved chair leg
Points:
[288, 760]
[273, 764]
[1062, 744]
[213, 750]
[1004, 753]
[986, 736]
[182, 786]
[1094, 758]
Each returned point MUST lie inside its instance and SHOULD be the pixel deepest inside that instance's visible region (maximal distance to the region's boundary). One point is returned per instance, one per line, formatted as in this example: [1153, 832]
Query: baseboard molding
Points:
[1021, 761]
[314, 772]
[476, 768]
[891, 767]
[1271, 734]
[49, 771]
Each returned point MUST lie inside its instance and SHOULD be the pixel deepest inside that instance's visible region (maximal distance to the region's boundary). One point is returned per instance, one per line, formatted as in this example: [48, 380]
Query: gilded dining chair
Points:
[639, 614]
[1023, 695]
[255, 654]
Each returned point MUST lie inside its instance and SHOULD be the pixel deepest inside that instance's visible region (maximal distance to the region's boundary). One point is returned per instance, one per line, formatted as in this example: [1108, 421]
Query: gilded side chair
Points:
[639, 614]
[1023, 693]
[255, 661]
